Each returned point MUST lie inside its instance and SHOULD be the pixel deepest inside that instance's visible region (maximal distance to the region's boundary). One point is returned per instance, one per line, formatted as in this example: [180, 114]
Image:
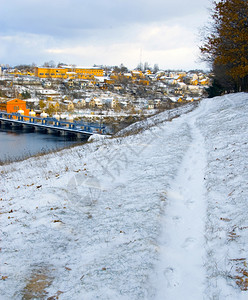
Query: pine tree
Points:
[226, 46]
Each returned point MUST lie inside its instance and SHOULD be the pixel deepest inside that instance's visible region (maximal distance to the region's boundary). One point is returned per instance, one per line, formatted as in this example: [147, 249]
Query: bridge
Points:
[51, 125]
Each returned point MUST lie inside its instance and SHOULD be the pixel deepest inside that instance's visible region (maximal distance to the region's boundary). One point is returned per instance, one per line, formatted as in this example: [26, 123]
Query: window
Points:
[41, 73]
[16, 107]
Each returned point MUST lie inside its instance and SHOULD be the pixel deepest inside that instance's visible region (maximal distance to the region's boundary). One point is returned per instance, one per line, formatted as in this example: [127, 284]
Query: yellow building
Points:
[137, 74]
[194, 82]
[16, 73]
[68, 72]
[204, 81]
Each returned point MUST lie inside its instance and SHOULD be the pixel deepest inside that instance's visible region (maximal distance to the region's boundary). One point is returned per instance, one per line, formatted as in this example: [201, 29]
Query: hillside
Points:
[161, 214]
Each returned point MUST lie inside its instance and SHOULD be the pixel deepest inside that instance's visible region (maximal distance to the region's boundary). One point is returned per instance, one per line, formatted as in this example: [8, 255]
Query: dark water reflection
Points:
[17, 144]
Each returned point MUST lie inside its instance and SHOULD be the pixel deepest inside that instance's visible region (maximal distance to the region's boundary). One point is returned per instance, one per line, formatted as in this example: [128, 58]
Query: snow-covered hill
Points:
[157, 215]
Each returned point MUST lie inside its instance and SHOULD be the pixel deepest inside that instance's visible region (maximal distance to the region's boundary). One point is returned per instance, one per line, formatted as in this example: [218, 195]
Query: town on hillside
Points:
[99, 93]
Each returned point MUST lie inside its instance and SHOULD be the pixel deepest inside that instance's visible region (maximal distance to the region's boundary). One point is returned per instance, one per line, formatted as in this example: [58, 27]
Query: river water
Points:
[18, 144]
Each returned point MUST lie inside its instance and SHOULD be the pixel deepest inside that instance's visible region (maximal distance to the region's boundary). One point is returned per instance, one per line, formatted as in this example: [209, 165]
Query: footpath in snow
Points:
[161, 214]
[181, 269]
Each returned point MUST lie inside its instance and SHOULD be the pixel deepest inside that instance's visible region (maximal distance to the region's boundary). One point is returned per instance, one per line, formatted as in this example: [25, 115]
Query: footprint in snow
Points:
[188, 243]
[189, 178]
[170, 275]
[176, 219]
[189, 203]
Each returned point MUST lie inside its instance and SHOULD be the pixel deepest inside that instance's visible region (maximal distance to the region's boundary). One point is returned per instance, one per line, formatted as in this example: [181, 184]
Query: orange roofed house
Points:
[12, 106]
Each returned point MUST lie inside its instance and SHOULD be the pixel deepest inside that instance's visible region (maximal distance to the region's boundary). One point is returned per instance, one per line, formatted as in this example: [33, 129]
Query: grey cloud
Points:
[65, 18]
[116, 30]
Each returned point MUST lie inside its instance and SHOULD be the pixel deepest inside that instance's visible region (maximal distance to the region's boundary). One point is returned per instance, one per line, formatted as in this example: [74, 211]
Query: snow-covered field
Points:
[157, 215]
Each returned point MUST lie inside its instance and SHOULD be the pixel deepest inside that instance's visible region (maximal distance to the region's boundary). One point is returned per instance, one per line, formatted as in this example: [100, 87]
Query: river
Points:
[18, 144]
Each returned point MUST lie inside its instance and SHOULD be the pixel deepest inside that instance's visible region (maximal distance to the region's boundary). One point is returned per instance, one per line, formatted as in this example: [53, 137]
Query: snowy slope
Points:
[157, 215]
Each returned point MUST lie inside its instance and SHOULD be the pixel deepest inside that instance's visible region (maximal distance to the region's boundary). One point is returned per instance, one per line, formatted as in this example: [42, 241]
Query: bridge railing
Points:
[77, 126]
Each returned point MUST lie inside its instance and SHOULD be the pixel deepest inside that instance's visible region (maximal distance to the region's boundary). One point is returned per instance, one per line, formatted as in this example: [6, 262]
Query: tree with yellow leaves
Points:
[226, 45]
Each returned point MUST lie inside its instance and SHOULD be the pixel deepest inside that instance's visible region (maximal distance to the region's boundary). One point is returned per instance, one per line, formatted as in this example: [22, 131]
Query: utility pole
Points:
[141, 59]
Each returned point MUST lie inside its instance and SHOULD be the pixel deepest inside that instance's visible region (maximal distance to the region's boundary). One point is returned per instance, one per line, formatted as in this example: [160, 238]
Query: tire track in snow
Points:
[181, 272]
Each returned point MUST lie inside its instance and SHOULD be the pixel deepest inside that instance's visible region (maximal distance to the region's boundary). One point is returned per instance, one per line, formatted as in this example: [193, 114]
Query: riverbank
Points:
[18, 145]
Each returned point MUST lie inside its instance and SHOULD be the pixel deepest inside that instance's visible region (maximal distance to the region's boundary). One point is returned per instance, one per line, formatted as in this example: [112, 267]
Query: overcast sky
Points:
[108, 32]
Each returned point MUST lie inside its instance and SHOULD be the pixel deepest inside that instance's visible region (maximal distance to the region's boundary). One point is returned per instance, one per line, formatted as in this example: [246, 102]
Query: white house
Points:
[111, 102]
[194, 88]
[48, 93]
[98, 102]
[79, 103]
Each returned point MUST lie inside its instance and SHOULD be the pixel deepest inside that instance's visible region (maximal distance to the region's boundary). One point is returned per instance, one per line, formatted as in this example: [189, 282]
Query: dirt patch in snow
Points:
[40, 279]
